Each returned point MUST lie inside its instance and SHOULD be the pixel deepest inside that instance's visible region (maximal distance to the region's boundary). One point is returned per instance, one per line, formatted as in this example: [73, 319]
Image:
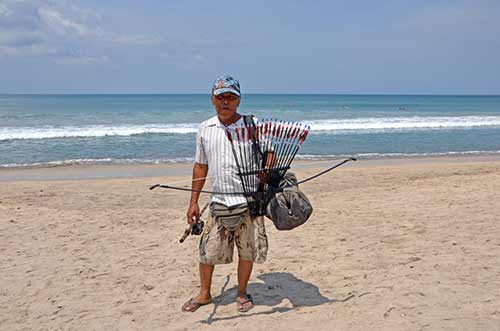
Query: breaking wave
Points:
[403, 123]
[361, 125]
[303, 157]
[58, 163]
[48, 132]
[317, 157]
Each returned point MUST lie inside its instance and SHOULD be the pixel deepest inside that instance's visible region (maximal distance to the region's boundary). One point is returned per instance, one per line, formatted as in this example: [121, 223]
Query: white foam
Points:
[56, 163]
[362, 125]
[312, 157]
[390, 155]
[47, 132]
[402, 123]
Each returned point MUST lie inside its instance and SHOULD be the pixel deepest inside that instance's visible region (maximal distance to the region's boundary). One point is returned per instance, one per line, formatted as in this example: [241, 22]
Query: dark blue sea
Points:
[39, 130]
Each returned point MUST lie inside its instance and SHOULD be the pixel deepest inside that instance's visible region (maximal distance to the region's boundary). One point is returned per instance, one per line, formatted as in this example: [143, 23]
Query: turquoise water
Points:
[67, 129]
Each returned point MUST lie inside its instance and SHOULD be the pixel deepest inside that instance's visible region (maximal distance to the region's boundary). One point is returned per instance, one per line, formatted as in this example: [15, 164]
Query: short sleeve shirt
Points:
[214, 149]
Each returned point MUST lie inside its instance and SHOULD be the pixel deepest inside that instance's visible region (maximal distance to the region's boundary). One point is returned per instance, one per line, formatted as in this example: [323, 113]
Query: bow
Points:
[270, 189]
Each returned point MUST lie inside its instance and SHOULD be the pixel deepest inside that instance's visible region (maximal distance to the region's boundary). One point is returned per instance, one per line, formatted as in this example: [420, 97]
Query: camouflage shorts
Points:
[217, 243]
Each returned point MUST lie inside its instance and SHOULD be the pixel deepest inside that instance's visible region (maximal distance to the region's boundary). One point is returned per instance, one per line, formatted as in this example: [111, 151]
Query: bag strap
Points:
[248, 119]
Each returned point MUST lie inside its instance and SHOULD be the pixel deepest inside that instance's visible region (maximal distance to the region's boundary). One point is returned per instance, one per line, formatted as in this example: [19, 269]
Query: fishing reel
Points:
[197, 227]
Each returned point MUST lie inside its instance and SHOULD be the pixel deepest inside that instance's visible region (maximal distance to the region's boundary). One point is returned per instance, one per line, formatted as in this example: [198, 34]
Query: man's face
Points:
[226, 105]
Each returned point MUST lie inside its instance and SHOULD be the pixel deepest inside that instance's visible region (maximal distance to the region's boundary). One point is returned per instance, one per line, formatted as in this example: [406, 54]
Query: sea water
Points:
[38, 130]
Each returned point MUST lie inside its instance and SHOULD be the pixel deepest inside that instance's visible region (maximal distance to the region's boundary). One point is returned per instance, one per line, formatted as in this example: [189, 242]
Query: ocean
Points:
[50, 130]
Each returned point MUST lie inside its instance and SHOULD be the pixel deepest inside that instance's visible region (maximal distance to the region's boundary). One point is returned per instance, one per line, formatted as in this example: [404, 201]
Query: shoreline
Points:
[117, 170]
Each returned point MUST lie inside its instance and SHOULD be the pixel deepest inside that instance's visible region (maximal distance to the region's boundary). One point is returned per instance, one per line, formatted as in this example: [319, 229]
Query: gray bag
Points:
[290, 208]
[229, 217]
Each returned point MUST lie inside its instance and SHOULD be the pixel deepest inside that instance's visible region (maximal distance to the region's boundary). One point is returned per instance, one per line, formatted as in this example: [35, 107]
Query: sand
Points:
[392, 245]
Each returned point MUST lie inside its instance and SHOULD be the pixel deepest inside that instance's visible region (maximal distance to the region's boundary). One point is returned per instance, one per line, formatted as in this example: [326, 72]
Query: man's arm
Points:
[199, 171]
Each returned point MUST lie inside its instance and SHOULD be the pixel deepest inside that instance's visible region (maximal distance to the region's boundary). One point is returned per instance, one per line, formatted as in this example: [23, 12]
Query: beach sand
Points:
[411, 244]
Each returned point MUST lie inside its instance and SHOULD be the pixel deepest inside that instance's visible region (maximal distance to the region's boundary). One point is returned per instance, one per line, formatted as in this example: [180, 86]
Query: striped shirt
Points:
[214, 148]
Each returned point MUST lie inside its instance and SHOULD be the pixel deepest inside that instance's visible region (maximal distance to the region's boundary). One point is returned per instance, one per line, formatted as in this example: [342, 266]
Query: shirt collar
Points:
[218, 123]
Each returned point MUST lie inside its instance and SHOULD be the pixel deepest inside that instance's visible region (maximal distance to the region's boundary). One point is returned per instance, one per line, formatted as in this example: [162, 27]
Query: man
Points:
[214, 156]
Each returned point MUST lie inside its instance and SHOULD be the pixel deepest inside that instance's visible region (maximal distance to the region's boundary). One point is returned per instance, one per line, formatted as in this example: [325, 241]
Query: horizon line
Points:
[243, 94]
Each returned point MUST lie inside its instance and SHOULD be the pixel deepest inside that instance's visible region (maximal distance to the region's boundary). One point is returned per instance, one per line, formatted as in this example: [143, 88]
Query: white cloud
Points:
[19, 38]
[28, 27]
[199, 58]
[86, 14]
[65, 26]
[31, 50]
[56, 21]
[83, 59]
[134, 40]
[4, 11]
[64, 33]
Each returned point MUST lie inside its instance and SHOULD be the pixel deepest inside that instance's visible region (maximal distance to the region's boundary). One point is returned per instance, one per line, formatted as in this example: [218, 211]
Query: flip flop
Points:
[239, 305]
[191, 305]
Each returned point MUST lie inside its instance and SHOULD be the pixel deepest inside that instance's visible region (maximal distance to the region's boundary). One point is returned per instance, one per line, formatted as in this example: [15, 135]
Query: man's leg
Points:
[204, 296]
[210, 241]
[244, 272]
[247, 253]
[206, 271]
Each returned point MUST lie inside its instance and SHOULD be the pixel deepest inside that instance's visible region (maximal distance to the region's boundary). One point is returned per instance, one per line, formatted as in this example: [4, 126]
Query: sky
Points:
[294, 46]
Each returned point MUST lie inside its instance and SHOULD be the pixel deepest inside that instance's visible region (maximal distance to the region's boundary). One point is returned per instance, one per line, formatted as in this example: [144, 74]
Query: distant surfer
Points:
[229, 222]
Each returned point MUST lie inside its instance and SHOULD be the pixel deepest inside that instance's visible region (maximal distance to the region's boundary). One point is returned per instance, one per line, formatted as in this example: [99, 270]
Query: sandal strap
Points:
[192, 305]
[249, 299]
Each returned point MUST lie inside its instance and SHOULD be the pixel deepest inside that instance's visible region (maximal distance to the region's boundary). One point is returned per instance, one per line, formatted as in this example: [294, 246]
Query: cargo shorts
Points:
[217, 243]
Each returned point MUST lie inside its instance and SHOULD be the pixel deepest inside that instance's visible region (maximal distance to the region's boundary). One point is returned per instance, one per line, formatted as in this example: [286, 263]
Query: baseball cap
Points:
[225, 84]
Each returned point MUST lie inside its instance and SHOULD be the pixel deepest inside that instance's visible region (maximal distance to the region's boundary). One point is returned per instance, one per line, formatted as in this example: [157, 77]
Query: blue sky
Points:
[436, 47]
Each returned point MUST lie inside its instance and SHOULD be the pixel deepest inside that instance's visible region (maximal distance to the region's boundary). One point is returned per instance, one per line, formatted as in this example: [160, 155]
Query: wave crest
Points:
[402, 123]
[48, 132]
[361, 125]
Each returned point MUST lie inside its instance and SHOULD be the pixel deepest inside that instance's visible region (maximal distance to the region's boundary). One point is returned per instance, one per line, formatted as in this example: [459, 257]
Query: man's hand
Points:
[193, 213]
[199, 174]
